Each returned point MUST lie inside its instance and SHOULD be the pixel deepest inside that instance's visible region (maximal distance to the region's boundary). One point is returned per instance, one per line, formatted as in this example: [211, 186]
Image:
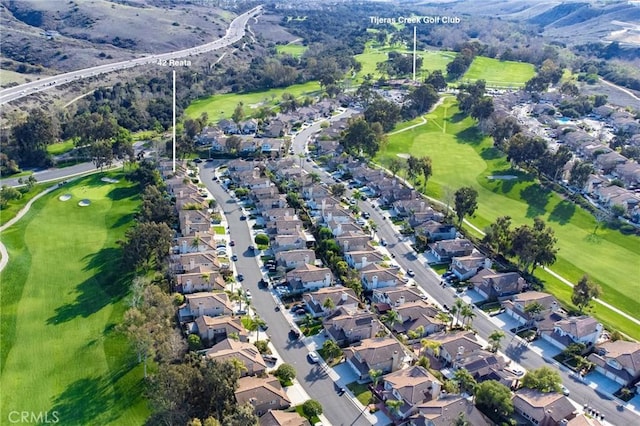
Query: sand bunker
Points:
[502, 177]
[402, 155]
[84, 203]
[109, 180]
[65, 197]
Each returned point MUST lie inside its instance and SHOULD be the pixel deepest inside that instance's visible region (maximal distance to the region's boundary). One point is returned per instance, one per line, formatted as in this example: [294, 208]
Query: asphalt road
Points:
[339, 410]
[234, 33]
[426, 278]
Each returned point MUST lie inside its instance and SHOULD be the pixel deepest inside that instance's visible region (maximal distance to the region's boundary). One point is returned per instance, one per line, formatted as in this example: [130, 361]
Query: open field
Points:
[222, 106]
[63, 293]
[499, 73]
[462, 157]
[14, 206]
[293, 49]
[60, 147]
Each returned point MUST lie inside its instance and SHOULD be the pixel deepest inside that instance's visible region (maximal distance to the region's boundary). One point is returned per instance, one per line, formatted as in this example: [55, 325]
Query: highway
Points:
[426, 278]
[234, 33]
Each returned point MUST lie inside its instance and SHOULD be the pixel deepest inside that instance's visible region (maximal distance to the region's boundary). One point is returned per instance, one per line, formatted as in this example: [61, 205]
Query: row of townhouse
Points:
[208, 310]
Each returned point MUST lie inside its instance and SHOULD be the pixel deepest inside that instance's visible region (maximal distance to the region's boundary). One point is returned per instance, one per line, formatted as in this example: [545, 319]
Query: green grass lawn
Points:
[461, 157]
[295, 50]
[361, 392]
[499, 73]
[221, 106]
[14, 206]
[432, 60]
[60, 147]
[219, 230]
[62, 297]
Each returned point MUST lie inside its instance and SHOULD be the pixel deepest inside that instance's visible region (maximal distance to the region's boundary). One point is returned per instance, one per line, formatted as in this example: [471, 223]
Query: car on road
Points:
[270, 358]
[277, 308]
[248, 295]
[294, 334]
[240, 277]
[243, 217]
[313, 357]
[234, 257]
[564, 390]
[411, 273]
[383, 242]
[251, 248]
[232, 243]
[341, 391]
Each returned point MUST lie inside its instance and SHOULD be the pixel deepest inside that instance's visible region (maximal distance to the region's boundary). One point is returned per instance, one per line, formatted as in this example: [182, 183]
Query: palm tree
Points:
[454, 312]
[494, 338]
[459, 304]
[467, 314]
[534, 309]
[259, 323]
[375, 376]
[238, 365]
[465, 380]
[443, 317]
[394, 406]
[329, 304]
[390, 318]
[195, 243]
[431, 344]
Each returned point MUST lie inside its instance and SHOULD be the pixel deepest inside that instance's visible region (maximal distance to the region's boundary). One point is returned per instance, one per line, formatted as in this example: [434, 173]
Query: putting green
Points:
[499, 73]
[62, 296]
[461, 157]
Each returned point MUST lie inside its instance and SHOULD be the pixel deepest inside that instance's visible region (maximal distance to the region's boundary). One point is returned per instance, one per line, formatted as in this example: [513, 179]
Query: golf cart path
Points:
[3, 250]
[423, 117]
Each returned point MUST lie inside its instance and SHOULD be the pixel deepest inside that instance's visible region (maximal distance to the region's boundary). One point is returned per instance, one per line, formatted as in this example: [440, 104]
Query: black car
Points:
[243, 217]
[294, 334]
[240, 277]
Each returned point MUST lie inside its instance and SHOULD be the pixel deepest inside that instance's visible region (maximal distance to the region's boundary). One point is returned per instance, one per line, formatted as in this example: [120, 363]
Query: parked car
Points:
[240, 277]
[411, 273]
[232, 243]
[314, 358]
[270, 358]
[564, 390]
[234, 257]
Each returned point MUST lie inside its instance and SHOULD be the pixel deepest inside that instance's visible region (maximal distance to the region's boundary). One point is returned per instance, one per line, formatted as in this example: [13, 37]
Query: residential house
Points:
[619, 361]
[406, 207]
[340, 297]
[346, 327]
[374, 276]
[188, 262]
[584, 419]
[289, 242]
[413, 316]
[412, 386]
[516, 308]
[359, 259]
[245, 352]
[339, 228]
[192, 221]
[248, 127]
[381, 353]
[483, 365]
[202, 279]
[292, 259]
[198, 242]
[455, 346]
[263, 393]
[229, 127]
[210, 136]
[583, 329]
[445, 410]
[443, 251]
[309, 277]
[275, 129]
[417, 219]
[353, 241]
[629, 173]
[216, 329]
[543, 408]
[395, 297]
[205, 303]
[274, 214]
[499, 285]
[436, 231]
[282, 418]
[465, 267]
[286, 226]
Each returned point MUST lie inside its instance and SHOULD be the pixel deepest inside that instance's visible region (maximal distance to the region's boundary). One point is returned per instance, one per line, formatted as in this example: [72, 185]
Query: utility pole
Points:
[414, 53]
[174, 123]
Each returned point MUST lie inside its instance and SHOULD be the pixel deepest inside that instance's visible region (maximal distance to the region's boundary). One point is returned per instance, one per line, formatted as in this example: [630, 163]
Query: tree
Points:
[544, 250]
[337, 189]
[375, 376]
[495, 338]
[534, 309]
[467, 314]
[584, 292]
[32, 137]
[426, 168]
[385, 112]
[311, 408]
[421, 99]
[482, 108]
[156, 207]
[396, 164]
[466, 202]
[437, 80]
[394, 406]
[331, 349]
[390, 318]
[262, 239]
[242, 416]
[285, 373]
[524, 150]
[494, 398]
[465, 380]
[461, 420]
[238, 113]
[431, 344]
[146, 243]
[579, 174]
[328, 304]
[102, 154]
[544, 379]
[194, 342]
[503, 130]
[361, 137]
[498, 235]
[552, 164]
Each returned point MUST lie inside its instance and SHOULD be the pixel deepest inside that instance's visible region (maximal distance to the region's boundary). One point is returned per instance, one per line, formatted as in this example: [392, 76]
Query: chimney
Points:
[364, 261]
[374, 281]
[339, 229]
[181, 194]
[183, 249]
[400, 301]
[422, 206]
[192, 264]
[327, 279]
[395, 361]
[487, 263]
[344, 297]
[345, 245]
[306, 258]
[435, 389]
[375, 327]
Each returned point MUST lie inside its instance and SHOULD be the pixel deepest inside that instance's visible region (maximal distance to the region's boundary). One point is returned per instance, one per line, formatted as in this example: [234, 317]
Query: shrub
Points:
[311, 408]
[262, 239]
[195, 344]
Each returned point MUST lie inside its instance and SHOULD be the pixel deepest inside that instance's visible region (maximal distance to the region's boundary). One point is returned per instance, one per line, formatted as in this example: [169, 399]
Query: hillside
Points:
[75, 34]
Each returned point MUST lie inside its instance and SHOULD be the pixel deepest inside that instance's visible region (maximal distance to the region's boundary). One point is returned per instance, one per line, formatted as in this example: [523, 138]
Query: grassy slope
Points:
[295, 50]
[15, 206]
[461, 157]
[432, 60]
[499, 73]
[222, 106]
[62, 296]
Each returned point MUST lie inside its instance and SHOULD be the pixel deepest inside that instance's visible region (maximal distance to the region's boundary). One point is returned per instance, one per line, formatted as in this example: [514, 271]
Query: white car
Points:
[314, 358]
[564, 390]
